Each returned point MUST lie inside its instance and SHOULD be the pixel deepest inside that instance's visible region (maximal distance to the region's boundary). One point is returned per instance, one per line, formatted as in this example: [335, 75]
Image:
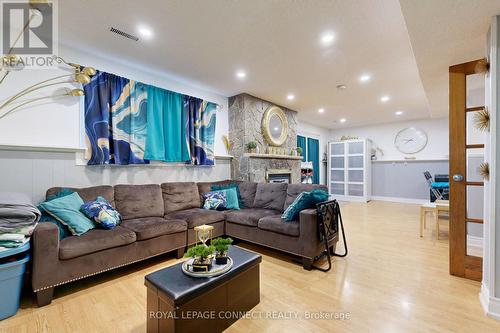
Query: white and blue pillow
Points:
[102, 213]
[215, 200]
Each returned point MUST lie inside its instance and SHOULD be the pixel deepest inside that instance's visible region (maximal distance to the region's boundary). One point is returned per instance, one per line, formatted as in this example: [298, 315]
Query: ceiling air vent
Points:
[124, 34]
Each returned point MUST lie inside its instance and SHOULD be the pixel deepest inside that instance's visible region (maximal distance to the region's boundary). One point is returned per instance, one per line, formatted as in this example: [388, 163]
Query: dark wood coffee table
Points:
[180, 303]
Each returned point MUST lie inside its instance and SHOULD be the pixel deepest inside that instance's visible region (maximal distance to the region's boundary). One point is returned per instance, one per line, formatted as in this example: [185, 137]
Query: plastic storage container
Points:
[11, 283]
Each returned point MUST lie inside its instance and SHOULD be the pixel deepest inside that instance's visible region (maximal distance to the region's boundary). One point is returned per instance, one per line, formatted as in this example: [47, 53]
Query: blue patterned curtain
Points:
[115, 120]
[128, 122]
[200, 125]
[166, 129]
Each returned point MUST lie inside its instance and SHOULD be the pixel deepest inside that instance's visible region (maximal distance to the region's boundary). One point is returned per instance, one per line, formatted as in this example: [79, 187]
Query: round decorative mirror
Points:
[275, 126]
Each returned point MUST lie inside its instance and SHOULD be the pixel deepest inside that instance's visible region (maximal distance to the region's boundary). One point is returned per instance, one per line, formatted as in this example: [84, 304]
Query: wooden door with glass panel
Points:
[466, 89]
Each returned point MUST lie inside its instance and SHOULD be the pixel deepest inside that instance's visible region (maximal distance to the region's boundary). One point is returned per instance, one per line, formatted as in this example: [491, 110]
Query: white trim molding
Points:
[490, 304]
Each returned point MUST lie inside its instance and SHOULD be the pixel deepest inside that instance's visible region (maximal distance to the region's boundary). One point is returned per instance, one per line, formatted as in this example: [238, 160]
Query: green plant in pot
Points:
[252, 147]
[221, 246]
[299, 151]
[202, 255]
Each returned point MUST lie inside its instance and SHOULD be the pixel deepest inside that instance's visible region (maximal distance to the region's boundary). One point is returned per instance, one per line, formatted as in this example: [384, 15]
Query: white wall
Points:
[56, 122]
[383, 136]
[323, 135]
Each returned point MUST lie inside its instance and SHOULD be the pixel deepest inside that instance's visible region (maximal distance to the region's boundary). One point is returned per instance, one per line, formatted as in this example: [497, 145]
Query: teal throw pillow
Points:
[101, 212]
[67, 211]
[63, 230]
[228, 186]
[304, 200]
[231, 198]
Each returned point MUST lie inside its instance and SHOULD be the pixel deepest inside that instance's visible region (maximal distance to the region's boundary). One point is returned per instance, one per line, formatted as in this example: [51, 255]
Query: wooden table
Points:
[437, 207]
[180, 303]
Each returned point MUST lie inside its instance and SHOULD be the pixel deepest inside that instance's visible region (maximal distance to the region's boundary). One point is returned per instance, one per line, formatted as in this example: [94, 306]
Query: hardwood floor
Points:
[391, 281]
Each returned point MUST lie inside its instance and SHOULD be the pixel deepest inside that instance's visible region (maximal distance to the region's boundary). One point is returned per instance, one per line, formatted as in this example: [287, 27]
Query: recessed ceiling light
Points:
[364, 78]
[327, 38]
[241, 74]
[321, 110]
[342, 120]
[290, 97]
[341, 86]
[145, 31]
[398, 113]
[385, 98]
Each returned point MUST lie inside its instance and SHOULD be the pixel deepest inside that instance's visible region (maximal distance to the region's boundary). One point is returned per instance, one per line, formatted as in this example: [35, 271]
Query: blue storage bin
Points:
[11, 283]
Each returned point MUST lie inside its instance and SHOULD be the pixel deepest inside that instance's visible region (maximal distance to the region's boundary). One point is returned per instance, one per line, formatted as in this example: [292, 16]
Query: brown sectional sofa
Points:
[160, 218]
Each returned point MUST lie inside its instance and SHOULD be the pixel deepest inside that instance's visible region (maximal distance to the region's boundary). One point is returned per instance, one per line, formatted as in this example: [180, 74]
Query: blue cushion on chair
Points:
[304, 200]
[102, 213]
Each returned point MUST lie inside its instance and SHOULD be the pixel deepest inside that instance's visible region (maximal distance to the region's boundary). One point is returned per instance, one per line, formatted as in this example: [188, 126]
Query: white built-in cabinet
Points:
[349, 170]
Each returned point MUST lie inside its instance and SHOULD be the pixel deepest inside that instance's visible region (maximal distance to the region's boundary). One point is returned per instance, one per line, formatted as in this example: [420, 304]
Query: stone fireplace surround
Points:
[245, 117]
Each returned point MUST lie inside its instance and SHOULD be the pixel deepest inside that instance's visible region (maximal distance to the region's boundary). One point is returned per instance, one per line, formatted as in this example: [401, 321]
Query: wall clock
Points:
[410, 140]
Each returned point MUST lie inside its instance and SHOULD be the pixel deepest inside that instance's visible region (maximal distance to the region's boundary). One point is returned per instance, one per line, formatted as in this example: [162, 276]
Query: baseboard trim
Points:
[400, 200]
[491, 305]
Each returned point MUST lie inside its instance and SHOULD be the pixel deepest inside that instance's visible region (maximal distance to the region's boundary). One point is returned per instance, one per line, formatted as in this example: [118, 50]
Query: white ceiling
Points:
[278, 44]
[445, 33]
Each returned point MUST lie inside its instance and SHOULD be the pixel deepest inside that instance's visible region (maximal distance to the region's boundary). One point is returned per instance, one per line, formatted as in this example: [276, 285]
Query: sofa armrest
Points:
[45, 254]
[309, 232]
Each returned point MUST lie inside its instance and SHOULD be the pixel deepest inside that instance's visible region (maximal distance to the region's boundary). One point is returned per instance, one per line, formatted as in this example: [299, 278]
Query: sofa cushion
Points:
[277, 224]
[249, 216]
[88, 193]
[270, 196]
[247, 192]
[93, 241]
[196, 216]
[293, 190]
[134, 201]
[151, 227]
[180, 196]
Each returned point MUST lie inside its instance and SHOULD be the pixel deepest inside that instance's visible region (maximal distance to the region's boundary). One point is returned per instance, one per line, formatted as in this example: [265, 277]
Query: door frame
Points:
[461, 264]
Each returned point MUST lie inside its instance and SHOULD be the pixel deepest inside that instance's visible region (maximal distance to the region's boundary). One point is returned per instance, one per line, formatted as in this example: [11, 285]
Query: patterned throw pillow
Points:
[304, 200]
[215, 200]
[102, 213]
[228, 186]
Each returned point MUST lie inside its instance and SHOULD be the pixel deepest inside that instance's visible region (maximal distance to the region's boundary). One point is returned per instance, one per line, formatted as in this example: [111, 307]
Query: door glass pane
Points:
[356, 190]
[337, 149]
[356, 175]
[337, 188]
[355, 147]
[474, 135]
[337, 162]
[337, 175]
[355, 161]
[475, 90]
[474, 239]
[475, 201]
[474, 159]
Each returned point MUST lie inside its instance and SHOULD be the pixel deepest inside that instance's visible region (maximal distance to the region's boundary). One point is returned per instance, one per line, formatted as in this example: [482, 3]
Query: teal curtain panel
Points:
[166, 130]
[301, 142]
[313, 156]
[129, 122]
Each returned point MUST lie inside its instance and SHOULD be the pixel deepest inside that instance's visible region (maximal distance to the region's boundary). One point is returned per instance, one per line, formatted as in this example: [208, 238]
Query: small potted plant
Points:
[252, 147]
[221, 246]
[202, 255]
[299, 151]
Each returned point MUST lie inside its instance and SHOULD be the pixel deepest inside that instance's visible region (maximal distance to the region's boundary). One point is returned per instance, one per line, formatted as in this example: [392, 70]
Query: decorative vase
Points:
[252, 150]
[202, 265]
[221, 258]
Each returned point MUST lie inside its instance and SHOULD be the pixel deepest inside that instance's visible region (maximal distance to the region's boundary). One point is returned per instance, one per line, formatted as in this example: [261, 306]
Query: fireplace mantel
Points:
[272, 156]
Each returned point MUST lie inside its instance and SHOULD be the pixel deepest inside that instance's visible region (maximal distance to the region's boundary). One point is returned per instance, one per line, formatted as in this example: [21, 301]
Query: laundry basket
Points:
[11, 280]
